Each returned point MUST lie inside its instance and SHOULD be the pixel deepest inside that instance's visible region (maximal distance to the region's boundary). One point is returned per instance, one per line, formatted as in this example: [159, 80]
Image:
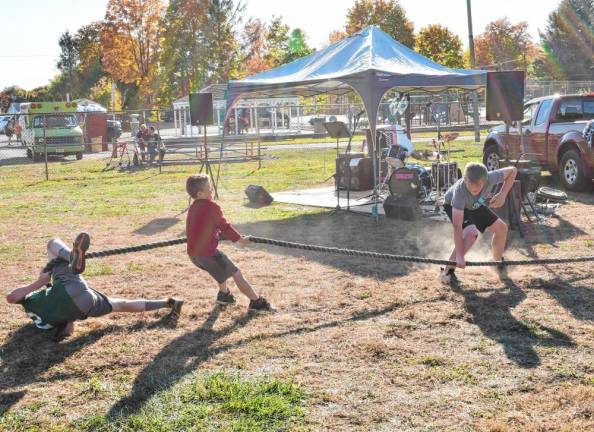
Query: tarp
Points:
[369, 62]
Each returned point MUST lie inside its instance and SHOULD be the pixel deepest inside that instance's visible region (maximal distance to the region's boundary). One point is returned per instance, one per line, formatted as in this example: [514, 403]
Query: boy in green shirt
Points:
[68, 298]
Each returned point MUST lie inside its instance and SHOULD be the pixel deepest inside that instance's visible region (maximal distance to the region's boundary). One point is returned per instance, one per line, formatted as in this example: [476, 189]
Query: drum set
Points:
[401, 178]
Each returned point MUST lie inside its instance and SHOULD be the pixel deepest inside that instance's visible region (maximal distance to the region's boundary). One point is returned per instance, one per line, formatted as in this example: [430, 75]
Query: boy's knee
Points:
[499, 227]
[471, 230]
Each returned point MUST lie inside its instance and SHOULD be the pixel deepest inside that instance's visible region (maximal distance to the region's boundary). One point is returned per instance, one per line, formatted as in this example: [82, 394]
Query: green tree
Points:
[297, 46]
[277, 42]
[441, 45]
[568, 41]
[68, 61]
[386, 14]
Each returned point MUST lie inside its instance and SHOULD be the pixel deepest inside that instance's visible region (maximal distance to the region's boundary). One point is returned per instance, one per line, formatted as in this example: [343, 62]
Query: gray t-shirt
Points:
[460, 198]
[85, 299]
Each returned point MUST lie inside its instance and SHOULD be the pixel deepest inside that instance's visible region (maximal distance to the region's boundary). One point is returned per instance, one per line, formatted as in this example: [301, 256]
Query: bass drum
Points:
[413, 180]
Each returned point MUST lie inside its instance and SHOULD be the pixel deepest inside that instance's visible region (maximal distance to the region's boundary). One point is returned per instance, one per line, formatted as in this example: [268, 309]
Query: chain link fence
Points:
[44, 136]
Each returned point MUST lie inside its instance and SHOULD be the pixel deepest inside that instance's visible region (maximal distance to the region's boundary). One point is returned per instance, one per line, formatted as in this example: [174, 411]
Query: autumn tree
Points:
[388, 15]
[504, 45]
[568, 42]
[130, 39]
[253, 48]
[441, 45]
[336, 35]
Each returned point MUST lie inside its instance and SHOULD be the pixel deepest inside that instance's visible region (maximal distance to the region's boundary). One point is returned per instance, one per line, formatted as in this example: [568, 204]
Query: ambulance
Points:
[61, 133]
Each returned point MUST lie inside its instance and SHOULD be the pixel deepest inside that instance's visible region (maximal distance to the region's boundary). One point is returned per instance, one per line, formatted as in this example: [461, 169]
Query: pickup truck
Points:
[553, 135]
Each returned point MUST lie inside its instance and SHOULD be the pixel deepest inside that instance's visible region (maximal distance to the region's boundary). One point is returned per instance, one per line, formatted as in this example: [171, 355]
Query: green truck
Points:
[52, 126]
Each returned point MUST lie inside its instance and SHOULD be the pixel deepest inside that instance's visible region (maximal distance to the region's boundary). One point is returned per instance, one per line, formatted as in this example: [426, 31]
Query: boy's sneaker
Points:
[501, 269]
[79, 249]
[176, 305]
[260, 305]
[447, 276]
[225, 298]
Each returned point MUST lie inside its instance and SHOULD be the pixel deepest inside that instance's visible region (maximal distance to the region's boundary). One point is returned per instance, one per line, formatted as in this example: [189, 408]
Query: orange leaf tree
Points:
[130, 40]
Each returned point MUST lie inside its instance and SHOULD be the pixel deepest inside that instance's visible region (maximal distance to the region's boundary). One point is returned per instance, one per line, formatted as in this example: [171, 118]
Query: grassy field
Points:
[355, 345]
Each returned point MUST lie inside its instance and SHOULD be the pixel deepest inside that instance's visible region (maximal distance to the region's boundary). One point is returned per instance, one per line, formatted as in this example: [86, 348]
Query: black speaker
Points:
[201, 109]
[258, 195]
[404, 208]
[361, 175]
[505, 96]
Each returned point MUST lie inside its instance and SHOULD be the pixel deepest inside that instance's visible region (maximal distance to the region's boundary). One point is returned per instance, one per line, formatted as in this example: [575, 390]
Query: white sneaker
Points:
[447, 276]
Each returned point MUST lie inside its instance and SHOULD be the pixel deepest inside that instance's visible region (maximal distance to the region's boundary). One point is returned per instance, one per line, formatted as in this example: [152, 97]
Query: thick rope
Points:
[348, 252]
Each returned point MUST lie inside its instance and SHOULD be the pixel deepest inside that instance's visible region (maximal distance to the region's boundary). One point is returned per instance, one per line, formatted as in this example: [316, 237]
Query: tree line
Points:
[151, 53]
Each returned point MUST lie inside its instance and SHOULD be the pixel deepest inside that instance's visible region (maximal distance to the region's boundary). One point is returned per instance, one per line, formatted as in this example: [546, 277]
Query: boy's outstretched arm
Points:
[457, 221]
[19, 294]
[509, 176]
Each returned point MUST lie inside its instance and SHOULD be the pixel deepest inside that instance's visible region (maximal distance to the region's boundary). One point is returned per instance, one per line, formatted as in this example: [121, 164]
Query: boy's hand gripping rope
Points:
[348, 252]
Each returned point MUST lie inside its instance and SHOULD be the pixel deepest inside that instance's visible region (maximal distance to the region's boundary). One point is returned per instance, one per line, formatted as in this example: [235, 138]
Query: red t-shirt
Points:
[204, 225]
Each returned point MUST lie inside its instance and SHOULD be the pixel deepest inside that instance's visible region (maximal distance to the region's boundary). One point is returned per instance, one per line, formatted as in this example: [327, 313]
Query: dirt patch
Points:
[376, 345]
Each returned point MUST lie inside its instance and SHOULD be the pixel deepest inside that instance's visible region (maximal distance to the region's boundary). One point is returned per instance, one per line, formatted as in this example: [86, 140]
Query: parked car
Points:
[553, 138]
[114, 130]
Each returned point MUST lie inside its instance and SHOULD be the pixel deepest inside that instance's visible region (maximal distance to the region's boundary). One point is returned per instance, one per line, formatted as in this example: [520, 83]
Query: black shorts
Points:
[219, 266]
[482, 218]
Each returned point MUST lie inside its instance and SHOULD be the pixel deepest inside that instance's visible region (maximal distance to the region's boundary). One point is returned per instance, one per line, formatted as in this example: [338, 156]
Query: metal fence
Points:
[43, 138]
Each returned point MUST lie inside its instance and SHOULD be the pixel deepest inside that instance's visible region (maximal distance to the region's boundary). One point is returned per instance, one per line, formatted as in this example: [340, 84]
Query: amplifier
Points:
[405, 208]
[361, 172]
[448, 174]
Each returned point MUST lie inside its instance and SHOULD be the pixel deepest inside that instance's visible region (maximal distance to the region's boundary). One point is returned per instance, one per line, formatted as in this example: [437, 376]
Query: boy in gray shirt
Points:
[55, 306]
[468, 204]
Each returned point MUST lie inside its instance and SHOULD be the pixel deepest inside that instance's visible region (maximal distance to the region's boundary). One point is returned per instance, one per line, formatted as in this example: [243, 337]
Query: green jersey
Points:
[51, 306]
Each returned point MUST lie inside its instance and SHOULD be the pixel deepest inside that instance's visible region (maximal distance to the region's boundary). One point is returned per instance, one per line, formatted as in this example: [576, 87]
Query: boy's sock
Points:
[64, 253]
[150, 305]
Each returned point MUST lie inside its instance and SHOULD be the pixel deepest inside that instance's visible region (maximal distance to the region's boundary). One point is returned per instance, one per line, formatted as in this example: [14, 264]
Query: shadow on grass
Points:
[180, 357]
[425, 238]
[157, 225]
[186, 353]
[28, 353]
[493, 315]
[577, 299]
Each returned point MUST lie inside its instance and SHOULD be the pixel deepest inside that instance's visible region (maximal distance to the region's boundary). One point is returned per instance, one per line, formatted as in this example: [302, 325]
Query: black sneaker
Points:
[175, 304]
[79, 249]
[225, 298]
[260, 305]
[501, 269]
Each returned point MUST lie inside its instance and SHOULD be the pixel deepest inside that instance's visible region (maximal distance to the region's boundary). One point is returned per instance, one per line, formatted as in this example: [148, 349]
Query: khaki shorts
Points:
[219, 266]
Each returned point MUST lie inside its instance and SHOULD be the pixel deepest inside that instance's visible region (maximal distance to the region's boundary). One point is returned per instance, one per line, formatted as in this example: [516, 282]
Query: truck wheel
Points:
[491, 157]
[79, 155]
[571, 171]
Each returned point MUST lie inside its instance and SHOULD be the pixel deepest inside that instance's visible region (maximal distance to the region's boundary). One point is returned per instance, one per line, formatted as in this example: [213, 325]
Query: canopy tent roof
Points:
[369, 60]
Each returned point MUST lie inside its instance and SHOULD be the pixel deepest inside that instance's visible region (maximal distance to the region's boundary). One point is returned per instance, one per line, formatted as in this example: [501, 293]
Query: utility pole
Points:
[475, 112]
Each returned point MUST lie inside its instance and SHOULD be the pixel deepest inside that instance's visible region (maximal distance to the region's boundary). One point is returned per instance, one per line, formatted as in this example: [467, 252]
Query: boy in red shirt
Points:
[204, 226]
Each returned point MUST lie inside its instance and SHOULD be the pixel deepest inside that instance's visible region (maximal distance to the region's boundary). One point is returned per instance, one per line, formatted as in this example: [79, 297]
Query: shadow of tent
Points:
[578, 300]
[185, 354]
[157, 225]
[493, 315]
[29, 352]
[353, 231]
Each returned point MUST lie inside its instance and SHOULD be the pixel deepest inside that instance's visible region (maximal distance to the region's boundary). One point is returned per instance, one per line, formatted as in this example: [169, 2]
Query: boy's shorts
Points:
[219, 266]
[482, 218]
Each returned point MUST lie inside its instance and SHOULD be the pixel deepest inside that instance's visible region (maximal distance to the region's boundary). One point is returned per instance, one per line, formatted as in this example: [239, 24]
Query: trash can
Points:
[318, 125]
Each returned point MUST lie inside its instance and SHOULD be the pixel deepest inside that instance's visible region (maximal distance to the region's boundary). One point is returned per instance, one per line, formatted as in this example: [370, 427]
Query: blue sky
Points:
[31, 28]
